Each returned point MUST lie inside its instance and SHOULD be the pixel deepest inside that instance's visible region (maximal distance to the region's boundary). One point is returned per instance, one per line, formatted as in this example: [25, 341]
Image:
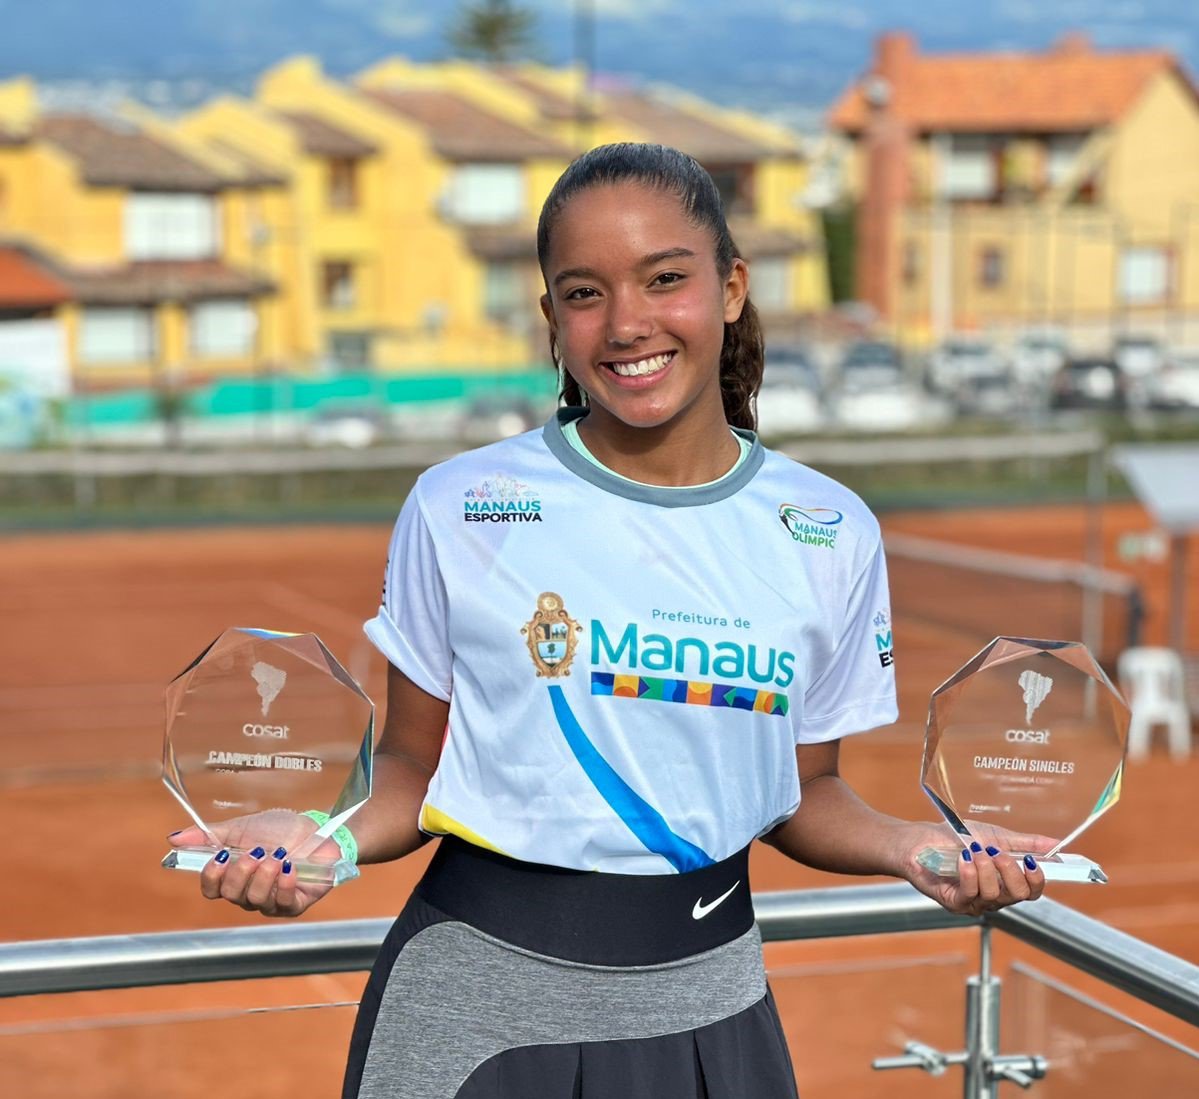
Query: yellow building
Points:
[438, 254]
[758, 167]
[143, 237]
[1012, 190]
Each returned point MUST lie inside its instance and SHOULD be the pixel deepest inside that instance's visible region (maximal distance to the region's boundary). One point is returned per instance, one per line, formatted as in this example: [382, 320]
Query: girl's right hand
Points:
[262, 880]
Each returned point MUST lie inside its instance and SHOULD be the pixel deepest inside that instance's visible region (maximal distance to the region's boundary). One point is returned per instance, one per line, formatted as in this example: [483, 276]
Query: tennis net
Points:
[983, 594]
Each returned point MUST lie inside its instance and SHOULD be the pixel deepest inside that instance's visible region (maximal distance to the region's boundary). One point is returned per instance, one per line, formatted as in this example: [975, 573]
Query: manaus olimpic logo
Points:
[811, 526]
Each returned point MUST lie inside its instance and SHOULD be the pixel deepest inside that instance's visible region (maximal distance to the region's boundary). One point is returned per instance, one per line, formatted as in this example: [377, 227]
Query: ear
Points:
[736, 290]
[547, 311]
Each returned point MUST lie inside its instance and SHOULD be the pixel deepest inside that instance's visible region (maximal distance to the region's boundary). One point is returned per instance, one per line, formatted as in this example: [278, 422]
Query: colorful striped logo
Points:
[690, 692]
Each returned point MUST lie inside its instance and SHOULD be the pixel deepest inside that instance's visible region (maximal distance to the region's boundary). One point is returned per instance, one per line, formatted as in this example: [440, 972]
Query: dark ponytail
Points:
[662, 168]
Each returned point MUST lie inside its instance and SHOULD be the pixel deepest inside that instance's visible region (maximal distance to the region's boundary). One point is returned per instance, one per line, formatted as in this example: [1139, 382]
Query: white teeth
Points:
[644, 366]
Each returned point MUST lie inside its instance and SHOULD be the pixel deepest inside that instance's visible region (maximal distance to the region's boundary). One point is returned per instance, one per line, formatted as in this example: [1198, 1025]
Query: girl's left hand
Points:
[991, 878]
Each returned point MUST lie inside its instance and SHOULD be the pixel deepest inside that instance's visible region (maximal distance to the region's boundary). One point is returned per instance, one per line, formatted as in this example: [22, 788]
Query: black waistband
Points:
[583, 916]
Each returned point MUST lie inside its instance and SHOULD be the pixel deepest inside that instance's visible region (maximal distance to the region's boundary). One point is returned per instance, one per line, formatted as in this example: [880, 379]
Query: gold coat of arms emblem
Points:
[551, 636]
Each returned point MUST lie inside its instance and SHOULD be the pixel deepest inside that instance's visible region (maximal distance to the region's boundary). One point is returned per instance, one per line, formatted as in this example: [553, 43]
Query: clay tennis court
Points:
[95, 624]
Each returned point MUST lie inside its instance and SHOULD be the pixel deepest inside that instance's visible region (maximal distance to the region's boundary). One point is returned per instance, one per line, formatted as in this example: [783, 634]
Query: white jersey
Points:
[630, 668]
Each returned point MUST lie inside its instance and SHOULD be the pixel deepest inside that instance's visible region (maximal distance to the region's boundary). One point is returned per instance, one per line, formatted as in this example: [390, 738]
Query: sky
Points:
[754, 53]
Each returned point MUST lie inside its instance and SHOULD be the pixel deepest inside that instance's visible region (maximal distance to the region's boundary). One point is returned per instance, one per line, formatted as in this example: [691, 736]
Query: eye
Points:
[668, 278]
[580, 293]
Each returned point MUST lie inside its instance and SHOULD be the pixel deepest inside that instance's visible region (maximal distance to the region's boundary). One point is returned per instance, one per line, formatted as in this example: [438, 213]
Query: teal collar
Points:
[663, 496]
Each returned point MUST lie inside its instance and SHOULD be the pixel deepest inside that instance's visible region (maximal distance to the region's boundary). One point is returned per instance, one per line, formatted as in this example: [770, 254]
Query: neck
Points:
[674, 454]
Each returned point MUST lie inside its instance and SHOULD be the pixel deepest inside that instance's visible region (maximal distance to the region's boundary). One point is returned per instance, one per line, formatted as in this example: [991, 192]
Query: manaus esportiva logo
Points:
[811, 526]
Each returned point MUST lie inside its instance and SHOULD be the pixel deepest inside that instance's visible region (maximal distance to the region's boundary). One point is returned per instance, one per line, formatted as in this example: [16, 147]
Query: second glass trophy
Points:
[264, 721]
[1028, 736]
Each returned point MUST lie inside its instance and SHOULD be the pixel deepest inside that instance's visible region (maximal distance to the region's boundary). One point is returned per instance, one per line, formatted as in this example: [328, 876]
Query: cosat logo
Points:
[882, 638]
[811, 526]
[502, 499]
[550, 635]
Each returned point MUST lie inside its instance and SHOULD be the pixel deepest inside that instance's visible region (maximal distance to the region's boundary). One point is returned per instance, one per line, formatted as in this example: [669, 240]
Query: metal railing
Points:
[297, 949]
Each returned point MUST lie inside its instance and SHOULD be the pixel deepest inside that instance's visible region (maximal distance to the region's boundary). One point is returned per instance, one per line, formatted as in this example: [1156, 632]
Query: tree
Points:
[493, 30]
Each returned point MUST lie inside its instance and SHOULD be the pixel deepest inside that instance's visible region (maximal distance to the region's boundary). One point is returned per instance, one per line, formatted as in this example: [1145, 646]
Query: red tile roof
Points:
[116, 154]
[147, 282]
[25, 284]
[551, 104]
[462, 131]
[704, 139]
[322, 138]
[1069, 88]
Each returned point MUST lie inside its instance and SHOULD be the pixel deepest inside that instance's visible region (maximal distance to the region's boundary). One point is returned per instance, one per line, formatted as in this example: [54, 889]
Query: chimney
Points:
[894, 53]
[885, 148]
[1072, 44]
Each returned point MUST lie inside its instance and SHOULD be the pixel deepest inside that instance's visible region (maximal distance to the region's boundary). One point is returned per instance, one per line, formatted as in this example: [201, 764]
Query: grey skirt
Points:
[593, 991]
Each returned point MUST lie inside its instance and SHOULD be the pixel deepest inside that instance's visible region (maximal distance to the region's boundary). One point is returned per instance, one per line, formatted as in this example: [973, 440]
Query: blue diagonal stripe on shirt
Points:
[645, 822]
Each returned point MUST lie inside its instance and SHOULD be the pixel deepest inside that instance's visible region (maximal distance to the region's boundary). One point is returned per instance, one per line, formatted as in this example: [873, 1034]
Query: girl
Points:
[646, 636]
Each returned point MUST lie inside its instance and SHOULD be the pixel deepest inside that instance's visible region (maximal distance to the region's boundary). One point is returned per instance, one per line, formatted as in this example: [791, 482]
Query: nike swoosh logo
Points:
[701, 910]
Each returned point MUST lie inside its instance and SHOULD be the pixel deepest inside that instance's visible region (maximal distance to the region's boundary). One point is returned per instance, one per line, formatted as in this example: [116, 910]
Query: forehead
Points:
[620, 223]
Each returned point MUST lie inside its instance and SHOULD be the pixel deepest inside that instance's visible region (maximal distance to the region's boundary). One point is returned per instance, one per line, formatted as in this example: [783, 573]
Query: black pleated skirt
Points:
[506, 980]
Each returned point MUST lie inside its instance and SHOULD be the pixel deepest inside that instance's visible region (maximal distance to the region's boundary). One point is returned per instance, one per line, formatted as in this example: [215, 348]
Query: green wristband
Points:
[342, 835]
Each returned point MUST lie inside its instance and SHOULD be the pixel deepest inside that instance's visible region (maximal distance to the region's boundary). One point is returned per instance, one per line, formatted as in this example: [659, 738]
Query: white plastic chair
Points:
[1152, 681]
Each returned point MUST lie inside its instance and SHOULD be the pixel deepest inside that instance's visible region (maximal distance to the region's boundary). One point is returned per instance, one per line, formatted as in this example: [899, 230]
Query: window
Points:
[343, 183]
[770, 283]
[171, 227]
[350, 351]
[969, 171]
[337, 285]
[735, 184]
[485, 194]
[991, 264]
[222, 329]
[503, 297]
[1061, 154]
[1144, 276]
[116, 336]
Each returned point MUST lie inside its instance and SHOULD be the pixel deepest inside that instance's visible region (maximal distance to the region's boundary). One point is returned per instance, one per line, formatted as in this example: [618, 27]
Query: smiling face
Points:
[638, 308]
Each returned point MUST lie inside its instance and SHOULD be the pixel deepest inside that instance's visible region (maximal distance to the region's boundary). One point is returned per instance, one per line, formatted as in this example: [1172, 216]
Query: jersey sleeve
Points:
[411, 628]
[856, 689]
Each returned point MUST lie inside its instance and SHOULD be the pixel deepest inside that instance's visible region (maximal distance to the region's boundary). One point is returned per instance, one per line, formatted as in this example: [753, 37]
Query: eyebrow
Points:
[645, 261]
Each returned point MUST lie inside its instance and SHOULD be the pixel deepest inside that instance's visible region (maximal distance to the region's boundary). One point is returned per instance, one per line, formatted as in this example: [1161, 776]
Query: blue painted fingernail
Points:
[287, 866]
[222, 857]
[1030, 862]
[174, 834]
[966, 854]
[976, 847]
[257, 853]
[992, 851]
[279, 852]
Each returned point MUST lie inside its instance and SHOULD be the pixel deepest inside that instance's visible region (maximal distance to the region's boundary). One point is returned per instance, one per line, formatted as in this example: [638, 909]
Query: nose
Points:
[629, 318]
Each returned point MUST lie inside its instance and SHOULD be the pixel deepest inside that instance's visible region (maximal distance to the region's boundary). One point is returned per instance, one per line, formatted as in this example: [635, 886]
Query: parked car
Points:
[1138, 356]
[898, 405]
[869, 363]
[497, 416]
[791, 398]
[990, 395]
[353, 426]
[1176, 385]
[1038, 355]
[1089, 382]
[961, 360]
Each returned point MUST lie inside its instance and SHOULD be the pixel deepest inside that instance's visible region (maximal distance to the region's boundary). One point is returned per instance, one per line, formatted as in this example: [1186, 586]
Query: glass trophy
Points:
[263, 720]
[1028, 736]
